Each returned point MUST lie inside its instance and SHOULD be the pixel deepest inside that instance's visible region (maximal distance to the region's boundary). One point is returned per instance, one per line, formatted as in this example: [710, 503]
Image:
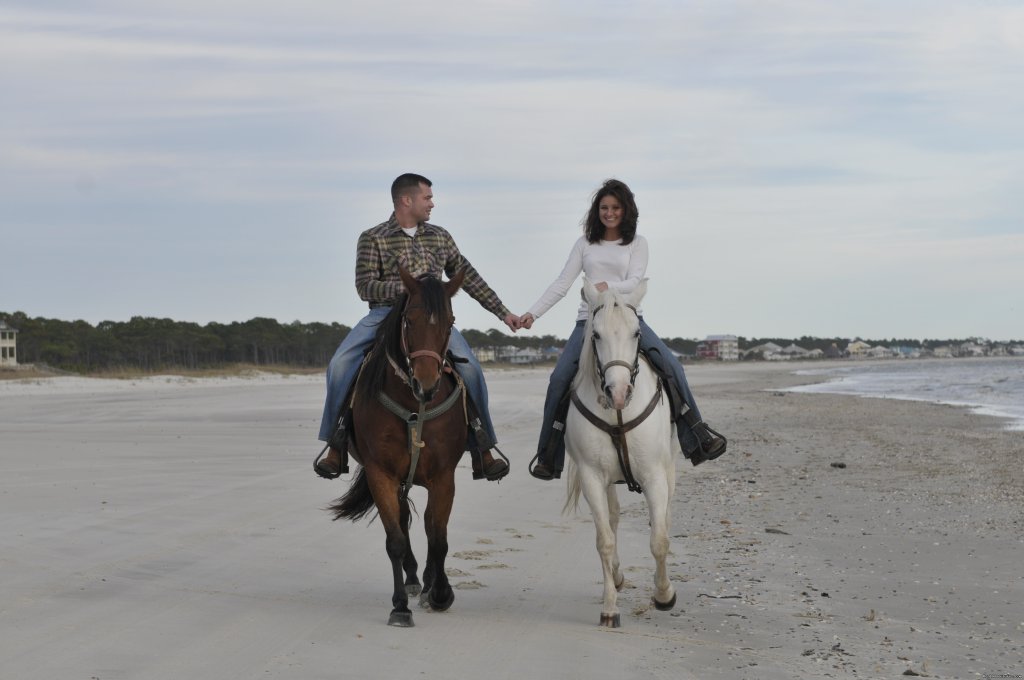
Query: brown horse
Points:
[410, 428]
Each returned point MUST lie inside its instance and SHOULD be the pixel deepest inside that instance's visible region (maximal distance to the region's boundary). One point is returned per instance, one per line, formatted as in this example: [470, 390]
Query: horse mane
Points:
[388, 340]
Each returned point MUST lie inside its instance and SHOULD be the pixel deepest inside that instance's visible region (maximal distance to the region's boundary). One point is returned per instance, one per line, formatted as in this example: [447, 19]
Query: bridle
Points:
[634, 368]
[407, 375]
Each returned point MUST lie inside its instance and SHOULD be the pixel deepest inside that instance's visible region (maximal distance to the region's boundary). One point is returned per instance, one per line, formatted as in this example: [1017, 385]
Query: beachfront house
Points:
[858, 349]
[524, 355]
[881, 352]
[972, 349]
[720, 347]
[767, 350]
[8, 344]
[795, 351]
[509, 354]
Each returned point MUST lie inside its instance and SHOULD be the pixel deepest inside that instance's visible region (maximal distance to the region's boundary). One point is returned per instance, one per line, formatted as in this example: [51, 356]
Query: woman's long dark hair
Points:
[618, 190]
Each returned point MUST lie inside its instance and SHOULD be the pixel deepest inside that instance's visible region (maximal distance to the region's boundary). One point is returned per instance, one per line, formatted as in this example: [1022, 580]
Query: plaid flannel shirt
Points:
[432, 250]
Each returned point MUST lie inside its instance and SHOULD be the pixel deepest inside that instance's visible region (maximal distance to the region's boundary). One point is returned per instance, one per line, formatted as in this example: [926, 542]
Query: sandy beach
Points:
[173, 528]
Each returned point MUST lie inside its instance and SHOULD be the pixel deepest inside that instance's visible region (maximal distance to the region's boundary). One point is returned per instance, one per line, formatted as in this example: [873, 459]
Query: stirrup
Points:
[710, 454]
[327, 474]
[494, 476]
[548, 472]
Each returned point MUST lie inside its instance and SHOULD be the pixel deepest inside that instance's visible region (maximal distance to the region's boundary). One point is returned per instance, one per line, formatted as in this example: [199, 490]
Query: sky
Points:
[849, 169]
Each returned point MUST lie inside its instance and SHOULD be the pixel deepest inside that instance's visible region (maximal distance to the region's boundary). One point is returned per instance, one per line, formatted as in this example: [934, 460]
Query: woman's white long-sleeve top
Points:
[621, 267]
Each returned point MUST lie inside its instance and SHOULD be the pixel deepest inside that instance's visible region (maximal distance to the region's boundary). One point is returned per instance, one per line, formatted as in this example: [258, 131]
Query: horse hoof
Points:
[664, 606]
[413, 589]
[401, 619]
[610, 620]
[425, 599]
[443, 606]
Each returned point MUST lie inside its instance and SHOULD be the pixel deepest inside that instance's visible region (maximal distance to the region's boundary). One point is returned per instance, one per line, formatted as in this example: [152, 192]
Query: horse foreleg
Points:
[597, 498]
[386, 494]
[658, 495]
[613, 520]
[440, 497]
[409, 564]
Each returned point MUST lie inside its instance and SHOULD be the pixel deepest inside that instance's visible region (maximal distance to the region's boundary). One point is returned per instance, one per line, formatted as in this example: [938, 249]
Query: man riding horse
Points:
[407, 239]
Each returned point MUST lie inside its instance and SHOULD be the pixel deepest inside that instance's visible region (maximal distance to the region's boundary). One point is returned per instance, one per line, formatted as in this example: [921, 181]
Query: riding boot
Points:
[485, 465]
[335, 463]
[711, 444]
[551, 459]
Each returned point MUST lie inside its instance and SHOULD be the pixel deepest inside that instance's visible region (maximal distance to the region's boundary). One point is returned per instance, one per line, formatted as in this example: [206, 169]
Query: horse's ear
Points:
[637, 294]
[454, 283]
[408, 281]
[590, 292]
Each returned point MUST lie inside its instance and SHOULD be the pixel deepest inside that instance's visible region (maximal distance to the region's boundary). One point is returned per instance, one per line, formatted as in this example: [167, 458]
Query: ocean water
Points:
[989, 386]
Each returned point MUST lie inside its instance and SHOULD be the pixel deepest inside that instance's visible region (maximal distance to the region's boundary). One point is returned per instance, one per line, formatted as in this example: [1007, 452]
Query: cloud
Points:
[788, 146]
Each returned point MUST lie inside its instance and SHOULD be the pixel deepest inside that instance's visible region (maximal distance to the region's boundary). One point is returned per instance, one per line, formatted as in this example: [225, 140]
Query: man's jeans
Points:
[568, 363]
[344, 366]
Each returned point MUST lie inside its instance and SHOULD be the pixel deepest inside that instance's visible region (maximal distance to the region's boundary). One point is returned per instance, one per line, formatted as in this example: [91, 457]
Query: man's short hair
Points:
[407, 184]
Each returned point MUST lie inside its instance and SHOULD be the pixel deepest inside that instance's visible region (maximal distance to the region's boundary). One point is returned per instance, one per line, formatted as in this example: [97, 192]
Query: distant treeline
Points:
[151, 344]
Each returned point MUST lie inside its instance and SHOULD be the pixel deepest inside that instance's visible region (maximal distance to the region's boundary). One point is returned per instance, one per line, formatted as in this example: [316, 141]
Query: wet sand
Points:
[169, 528]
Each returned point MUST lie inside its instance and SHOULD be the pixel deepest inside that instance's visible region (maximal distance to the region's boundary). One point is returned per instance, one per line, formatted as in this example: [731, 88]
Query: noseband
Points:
[634, 368]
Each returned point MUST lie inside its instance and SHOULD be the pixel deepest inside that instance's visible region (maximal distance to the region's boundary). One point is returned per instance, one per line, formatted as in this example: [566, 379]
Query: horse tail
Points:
[357, 501]
[574, 487]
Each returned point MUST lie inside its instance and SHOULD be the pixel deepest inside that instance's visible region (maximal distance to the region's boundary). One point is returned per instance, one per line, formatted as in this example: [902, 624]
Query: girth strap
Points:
[618, 433]
[414, 422]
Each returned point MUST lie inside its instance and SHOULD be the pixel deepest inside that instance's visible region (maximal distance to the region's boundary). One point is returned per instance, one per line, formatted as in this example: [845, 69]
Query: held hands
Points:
[517, 322]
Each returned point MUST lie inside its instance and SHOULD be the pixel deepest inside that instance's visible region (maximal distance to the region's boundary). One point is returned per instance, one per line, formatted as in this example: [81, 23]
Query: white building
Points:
[721, 347]
[8, 345]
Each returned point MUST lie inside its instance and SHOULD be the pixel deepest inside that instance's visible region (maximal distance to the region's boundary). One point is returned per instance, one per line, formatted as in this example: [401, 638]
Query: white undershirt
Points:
[621, 267]
[410, 232]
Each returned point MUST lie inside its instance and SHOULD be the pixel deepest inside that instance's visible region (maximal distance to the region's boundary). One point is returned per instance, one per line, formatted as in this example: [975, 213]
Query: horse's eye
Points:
[637, 334]
[597, 336]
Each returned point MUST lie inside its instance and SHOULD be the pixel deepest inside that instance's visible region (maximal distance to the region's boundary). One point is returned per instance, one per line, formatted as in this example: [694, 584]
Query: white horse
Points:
[619, 407]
